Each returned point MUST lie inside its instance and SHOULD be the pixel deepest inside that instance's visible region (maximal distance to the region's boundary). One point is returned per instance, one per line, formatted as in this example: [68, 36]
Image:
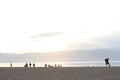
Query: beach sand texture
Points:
[66, 73]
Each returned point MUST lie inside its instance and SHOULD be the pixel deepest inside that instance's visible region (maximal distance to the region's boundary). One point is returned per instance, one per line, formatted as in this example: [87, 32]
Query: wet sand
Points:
[66, 73]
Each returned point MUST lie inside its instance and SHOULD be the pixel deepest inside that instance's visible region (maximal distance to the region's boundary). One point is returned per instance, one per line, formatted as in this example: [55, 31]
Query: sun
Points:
[61, 43]
[55, 44]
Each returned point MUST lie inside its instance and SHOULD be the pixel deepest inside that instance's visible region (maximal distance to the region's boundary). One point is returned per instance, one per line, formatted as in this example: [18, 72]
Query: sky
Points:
[57, 25]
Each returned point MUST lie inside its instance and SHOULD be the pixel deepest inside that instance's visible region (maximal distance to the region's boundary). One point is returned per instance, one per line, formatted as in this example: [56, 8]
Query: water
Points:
[65, 64]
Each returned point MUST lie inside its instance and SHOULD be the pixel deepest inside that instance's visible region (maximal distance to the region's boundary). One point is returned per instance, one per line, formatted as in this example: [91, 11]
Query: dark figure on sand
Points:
[33, 64]
[26, 65]
[45, 65]
[10, 64]
[107, 62]
[30, 64]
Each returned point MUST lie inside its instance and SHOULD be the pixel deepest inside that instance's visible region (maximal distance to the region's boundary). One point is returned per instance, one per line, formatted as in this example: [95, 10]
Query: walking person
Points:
[107, 62]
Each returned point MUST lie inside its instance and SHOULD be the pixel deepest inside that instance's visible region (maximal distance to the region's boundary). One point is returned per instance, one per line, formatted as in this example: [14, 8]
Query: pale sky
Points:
[56, 25]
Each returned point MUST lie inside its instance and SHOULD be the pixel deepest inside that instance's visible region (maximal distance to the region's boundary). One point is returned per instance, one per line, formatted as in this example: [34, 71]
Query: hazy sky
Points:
[55, 25]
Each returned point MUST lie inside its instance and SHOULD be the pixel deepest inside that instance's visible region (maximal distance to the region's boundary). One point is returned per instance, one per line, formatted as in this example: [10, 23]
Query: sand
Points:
[66, 73]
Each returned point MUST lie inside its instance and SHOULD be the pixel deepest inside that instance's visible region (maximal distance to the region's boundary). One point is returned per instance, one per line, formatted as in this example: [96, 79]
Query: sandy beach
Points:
[66, 73]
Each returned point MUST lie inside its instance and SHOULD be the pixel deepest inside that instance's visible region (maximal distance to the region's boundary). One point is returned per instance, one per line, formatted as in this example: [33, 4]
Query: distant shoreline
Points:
[64, 64]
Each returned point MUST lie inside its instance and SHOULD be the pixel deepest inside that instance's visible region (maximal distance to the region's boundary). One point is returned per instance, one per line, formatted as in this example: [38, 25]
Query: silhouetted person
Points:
[55, 65]
[61, 66]
[33, 64]
[107, 62]
[30, 64]
[49, 65]
[45, 65]
[10, 64]
[26, 65]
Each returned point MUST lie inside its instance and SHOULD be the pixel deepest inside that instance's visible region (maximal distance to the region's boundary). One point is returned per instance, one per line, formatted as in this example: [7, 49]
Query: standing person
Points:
[30, 64]
[33, 64]
[45, 65]
[26, 65]
[10, 64]
[107, 62]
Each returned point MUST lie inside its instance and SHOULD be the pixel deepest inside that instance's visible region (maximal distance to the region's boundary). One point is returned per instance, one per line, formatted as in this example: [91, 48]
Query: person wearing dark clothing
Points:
[30, 64]
[107, 62]
[10, 64]
[33, 64]
[26, 65]
[45, 65]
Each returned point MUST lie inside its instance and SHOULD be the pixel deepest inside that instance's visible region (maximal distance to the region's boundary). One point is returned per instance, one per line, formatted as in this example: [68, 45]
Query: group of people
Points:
[46, 65]
[59, 65]
[29, 65]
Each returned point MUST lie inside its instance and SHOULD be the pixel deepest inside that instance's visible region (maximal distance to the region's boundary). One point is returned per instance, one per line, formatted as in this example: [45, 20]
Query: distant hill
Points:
[73, 55]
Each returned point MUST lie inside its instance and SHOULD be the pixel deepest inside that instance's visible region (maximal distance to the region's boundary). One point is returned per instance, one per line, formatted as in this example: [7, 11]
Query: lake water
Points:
[65, 64]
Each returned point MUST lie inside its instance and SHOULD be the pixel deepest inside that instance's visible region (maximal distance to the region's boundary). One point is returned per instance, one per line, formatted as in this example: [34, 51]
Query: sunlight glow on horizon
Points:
[81, 24]
[53, 44]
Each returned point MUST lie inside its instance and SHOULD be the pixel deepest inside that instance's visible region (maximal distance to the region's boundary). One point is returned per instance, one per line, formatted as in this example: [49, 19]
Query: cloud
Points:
[53, 34]
[48, 34]
[112, 41]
